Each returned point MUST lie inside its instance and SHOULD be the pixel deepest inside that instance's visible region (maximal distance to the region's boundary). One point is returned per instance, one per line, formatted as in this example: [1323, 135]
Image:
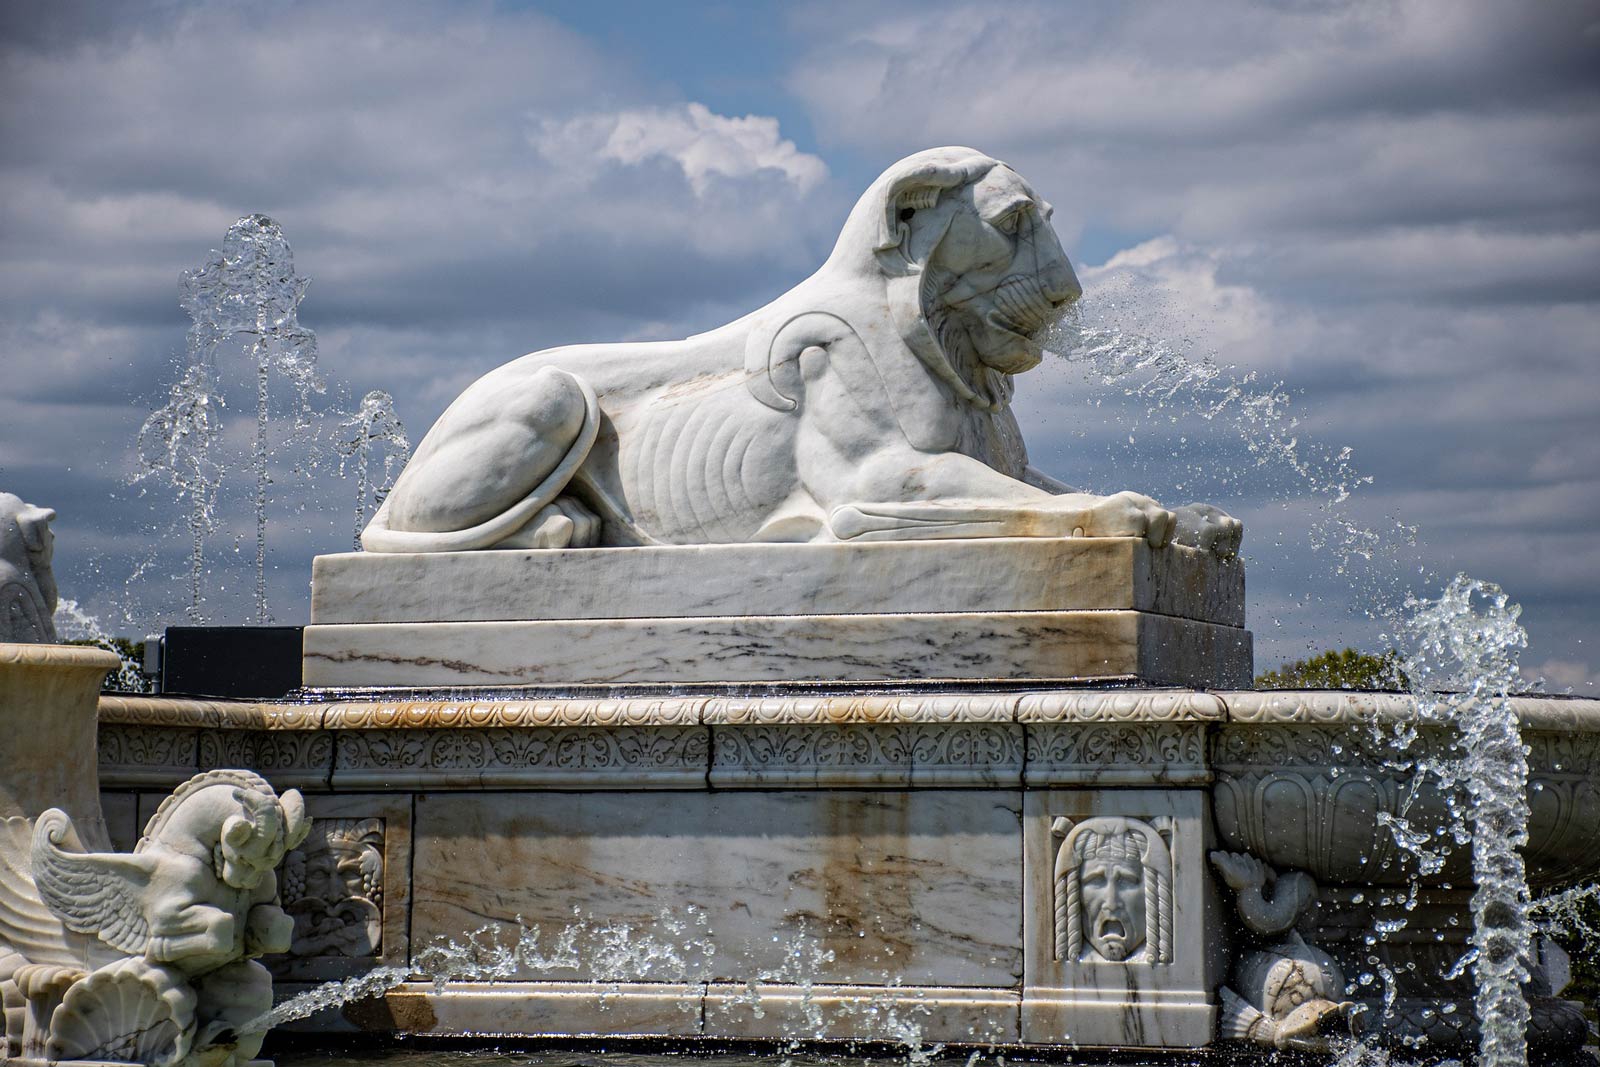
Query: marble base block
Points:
[962, 864]
[1006, 609]
[1044, 646]
[700, 581]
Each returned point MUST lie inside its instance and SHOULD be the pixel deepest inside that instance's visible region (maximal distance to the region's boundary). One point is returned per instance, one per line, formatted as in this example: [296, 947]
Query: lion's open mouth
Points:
[1021, 307]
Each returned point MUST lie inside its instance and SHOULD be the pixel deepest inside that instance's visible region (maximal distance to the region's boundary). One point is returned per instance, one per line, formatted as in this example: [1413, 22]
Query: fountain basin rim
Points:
[1257, 707]
[18, 654]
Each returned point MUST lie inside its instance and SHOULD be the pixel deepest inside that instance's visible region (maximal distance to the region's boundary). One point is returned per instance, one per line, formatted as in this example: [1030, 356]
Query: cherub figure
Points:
[194, 903]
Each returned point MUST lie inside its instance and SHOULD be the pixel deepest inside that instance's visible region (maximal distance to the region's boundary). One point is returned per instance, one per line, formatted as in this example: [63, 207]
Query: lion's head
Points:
[974, 271]
[959, 249]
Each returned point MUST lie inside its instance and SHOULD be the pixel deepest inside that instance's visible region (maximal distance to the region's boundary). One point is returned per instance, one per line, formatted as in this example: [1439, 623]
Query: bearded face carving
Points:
[1113, 885]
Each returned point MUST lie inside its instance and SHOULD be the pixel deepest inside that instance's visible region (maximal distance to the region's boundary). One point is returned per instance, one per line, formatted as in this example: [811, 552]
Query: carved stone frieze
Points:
[620, 756]
[1564, 802]
[424, 714]
[1317, 706]
[1115, 753]
[1119, 706]
[1322, 799]
[1330, 798]
[131, 710]
[891, 708]
[297, 757]
[863, 754]
[146, 755]
[1310, 706]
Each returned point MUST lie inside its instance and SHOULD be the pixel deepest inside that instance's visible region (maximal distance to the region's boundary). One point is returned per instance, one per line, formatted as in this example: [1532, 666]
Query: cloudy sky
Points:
[1393, 209]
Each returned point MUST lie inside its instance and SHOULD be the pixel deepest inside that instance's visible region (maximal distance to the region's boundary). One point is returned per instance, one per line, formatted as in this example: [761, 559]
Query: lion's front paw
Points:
[563, 523]
[1127, 515]
[1208, 528]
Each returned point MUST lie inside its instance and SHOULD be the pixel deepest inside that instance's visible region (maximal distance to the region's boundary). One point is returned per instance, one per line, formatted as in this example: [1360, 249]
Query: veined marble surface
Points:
[923, 886]
[1045, 646]
[707, 851]
[966, 576]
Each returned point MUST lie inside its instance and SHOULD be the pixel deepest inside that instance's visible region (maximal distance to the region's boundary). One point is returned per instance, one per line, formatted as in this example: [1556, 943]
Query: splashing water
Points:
[373, 425]
[178, 444]
[250, 290]
[1174, 386]
[1464, 670]
[76, 626]
[675, 947]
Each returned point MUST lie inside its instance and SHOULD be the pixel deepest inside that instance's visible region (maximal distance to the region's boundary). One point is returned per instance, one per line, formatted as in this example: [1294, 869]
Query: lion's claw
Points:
[1128, 514]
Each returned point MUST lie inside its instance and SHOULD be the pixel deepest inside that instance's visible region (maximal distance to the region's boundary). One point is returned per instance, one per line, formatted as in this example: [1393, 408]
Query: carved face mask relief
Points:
[1114, 905]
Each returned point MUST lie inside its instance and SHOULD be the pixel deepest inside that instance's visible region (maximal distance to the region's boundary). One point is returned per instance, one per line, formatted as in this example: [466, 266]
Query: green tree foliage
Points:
[1347, 669]
[128, 679]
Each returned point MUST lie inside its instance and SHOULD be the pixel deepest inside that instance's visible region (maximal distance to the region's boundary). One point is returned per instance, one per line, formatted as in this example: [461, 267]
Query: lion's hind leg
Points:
[499, 472]
[564, 523]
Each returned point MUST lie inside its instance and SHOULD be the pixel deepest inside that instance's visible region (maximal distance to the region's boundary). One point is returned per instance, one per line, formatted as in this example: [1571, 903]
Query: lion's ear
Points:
[918, 189]
[33, 522]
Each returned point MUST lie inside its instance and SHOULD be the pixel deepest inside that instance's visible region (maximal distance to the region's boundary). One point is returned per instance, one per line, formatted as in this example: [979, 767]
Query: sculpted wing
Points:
[92, 892]
[27, 927]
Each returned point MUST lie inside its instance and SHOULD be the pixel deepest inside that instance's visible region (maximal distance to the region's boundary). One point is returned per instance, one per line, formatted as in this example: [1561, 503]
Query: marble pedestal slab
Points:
[702, 581]
[1041, 646]
[1007, 609]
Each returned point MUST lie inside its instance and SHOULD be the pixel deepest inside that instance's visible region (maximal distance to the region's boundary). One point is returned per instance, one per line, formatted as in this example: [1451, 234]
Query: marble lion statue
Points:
[150, 955]
[27, 584]
[870, 402]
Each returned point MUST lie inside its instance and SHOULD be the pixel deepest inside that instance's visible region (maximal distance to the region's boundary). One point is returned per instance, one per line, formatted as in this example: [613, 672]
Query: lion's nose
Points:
[1059, 282]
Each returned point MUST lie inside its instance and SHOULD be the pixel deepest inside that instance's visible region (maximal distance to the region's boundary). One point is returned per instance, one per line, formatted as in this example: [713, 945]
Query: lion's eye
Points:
[1010, 221]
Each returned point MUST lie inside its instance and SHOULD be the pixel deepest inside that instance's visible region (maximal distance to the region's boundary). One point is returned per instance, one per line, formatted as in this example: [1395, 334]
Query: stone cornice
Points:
[1320, 707]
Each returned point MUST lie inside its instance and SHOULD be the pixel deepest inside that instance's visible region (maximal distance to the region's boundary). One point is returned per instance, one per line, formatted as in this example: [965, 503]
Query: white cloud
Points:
[703, 144]
[1564, 675]
[391, 141]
